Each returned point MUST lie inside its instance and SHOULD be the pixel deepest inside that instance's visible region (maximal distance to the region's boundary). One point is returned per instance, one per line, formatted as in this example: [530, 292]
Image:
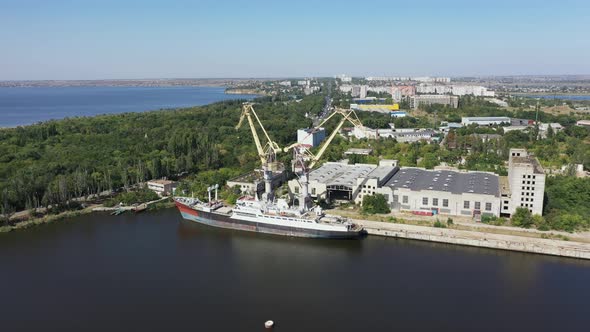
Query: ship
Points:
[253, 215]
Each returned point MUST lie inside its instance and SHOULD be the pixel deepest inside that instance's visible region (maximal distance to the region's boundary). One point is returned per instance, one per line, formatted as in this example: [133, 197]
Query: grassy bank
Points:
[47, 219]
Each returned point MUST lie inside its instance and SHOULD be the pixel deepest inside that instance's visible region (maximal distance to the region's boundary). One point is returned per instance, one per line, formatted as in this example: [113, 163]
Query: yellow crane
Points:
[266, 153]
[303, 154]
[347, 115]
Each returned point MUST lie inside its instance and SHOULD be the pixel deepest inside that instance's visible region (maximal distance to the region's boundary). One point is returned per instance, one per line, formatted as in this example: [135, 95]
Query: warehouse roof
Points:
[340, 174]
[417, 179]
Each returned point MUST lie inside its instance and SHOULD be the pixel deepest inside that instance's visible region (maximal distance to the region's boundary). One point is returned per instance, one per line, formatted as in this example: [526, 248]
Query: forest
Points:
[52, 162]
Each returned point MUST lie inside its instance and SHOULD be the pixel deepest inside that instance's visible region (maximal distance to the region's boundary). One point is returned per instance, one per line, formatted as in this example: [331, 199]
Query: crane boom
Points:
[247, 109]
[347, 115]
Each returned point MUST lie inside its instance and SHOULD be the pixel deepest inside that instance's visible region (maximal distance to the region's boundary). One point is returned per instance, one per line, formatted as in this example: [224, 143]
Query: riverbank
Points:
[50, 218]
[480, 239]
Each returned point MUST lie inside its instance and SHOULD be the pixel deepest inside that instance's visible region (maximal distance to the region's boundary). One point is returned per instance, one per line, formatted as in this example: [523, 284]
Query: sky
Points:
[85, 39]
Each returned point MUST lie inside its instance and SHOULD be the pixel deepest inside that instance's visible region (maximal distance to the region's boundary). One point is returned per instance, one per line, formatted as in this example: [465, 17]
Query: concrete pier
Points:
[479, 239]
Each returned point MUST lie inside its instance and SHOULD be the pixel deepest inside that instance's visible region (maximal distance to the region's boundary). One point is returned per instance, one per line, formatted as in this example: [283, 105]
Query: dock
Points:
[479, 239]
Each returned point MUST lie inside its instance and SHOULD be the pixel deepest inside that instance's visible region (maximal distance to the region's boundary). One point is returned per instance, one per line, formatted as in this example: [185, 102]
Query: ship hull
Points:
[225, 221]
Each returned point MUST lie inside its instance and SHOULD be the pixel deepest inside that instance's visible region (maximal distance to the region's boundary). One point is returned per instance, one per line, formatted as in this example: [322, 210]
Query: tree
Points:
[375, 204]
[522, 218]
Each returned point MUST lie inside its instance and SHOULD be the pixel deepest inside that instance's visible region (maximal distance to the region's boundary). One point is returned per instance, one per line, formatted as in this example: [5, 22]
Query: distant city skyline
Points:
[68, 40]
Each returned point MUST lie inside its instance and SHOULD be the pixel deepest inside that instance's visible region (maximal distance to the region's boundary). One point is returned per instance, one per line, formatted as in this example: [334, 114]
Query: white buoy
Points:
[269, 324]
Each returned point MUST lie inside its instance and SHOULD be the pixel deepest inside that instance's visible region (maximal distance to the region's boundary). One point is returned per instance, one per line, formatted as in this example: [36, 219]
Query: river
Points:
[154, 271]
[22, 106]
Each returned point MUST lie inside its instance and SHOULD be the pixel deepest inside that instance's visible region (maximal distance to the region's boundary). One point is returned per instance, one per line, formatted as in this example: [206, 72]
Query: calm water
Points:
[21, 106]
[562, 97]
[155, 272]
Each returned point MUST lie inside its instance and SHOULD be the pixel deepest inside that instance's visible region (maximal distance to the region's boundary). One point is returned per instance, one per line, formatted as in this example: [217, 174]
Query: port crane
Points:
[266, 153]
[305, 160]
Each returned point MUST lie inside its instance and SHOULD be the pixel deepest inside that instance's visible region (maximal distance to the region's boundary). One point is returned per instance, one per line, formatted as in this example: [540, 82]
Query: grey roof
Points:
[383, 173]
[417, 179]
[340, 174]
[486, 118]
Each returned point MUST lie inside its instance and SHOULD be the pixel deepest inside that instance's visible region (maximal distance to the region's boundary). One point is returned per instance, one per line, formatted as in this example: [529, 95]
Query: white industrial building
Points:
[449, 192]
[162, 187]
[311, 136]
[526, 183]
[486, 120]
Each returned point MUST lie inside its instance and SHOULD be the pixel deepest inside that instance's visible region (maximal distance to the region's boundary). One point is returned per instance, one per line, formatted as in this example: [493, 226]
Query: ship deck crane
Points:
[302, 153]
[266, 153]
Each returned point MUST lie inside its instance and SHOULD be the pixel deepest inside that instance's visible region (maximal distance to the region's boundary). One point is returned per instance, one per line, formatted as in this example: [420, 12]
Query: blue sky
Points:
[81, 39]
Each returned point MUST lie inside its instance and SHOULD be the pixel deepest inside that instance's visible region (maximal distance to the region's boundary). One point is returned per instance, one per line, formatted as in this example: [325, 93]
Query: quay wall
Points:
[479, 239]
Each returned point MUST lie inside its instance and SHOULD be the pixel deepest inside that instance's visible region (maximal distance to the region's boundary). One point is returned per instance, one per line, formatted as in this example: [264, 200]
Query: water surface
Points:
[155, 272]
[22, 106]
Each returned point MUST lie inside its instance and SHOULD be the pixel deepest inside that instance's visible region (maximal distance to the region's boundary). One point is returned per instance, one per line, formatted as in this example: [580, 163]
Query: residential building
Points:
[583, 123]
[363, 91]
[311, 136]
[416, 101]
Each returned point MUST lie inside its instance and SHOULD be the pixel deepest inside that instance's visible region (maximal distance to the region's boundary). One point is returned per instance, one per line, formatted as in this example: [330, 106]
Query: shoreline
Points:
[51, 218]
[461, 237]
[479, 239]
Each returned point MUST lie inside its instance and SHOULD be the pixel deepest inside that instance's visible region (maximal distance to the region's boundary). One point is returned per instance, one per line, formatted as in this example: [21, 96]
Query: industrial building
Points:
[311, 136]
[526, 183]
[442, 191]
[375, 108]
[486, 120]
[341, 181]
[162, 187]
[253, 182]
[416, 101]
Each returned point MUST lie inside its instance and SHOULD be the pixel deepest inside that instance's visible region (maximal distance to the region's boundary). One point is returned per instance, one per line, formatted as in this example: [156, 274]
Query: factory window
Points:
[528, 182]
[532, 194]
[445, 202]
[505, 207]
[466, 204]
[405, 199]
[435, 201]
[531, 206]
[477, 205]
[313, 191]
[533, 177]
[533, 183]
[522, 193]
[424, 200]
[524, 176]
[297, 190]
[523, 181]
[528, 176]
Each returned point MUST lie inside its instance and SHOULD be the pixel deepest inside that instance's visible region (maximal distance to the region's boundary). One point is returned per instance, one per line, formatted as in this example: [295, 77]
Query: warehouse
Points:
[486, 120]
[444, 192]
[341, 181]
